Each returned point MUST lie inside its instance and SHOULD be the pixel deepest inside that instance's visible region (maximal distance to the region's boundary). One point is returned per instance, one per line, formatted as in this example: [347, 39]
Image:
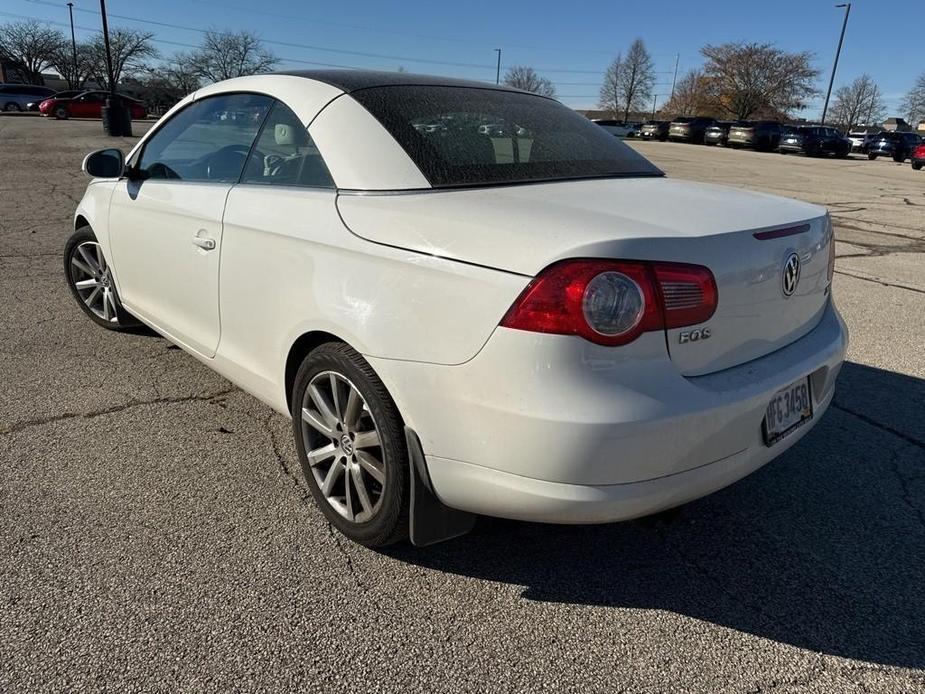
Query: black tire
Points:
[871, 157]
[12, 107]
[899, 158]
[123, 319]
[61, 113]
[917, 165]
[389, 523]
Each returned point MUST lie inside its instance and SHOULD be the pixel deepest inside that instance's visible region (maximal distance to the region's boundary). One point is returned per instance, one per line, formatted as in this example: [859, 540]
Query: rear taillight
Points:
[613, 302]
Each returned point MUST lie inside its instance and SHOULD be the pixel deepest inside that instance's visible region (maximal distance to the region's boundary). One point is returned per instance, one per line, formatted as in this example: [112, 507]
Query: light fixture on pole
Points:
[841, 39]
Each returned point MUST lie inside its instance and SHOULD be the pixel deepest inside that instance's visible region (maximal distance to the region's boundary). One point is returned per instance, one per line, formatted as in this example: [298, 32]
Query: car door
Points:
[166, 217]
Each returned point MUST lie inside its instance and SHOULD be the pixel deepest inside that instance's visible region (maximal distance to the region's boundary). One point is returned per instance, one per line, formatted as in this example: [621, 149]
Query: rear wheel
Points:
[12, 107]
[899, 158]
[871, 156]
[351, 445]
[90, 281]
[917, 165]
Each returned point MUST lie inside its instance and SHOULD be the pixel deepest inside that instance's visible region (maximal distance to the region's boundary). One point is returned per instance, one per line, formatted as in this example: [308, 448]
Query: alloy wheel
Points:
[93, 281]
[343, 446]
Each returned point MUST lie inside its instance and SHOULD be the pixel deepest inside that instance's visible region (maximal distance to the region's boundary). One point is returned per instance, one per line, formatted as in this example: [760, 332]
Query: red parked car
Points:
[87, 105]
[918, 157]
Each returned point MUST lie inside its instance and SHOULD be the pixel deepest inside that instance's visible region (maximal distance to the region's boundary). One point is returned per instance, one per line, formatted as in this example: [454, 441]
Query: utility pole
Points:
[117, 120]
[841, 39]
[498, 70]
[677, 57]
[70, 9]
[654, 101]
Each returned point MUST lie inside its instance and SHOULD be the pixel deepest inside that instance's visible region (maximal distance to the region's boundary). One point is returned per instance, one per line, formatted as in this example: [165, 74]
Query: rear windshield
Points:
[465, 136]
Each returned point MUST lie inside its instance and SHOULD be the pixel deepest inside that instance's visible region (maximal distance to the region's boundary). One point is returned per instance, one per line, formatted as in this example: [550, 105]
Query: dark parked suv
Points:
[814, 141]
[896, 145]
[654, 130]
[689, 129]
[763, 135]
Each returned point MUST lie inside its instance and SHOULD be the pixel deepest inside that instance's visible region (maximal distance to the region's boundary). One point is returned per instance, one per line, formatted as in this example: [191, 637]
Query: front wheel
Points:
[61, 113]
[917, 165]
[899, 158]
[12, 107]
[90, 281]
[871, 157]
[350, 441]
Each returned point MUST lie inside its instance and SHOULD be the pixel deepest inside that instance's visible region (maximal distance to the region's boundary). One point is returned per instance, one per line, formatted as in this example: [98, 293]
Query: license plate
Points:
[788, 410]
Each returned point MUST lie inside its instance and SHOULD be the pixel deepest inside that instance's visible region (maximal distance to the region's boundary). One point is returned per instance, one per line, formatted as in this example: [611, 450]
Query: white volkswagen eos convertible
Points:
[526, 320]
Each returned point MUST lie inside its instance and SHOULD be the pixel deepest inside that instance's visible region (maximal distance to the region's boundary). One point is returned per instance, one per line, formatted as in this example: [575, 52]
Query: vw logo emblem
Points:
[791, 275]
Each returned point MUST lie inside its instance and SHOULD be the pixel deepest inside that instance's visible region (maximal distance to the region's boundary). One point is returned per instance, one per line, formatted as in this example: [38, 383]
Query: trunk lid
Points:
[523, 229]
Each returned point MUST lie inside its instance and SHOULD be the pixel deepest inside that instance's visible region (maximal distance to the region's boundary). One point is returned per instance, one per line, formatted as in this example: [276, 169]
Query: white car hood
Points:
[524, 228]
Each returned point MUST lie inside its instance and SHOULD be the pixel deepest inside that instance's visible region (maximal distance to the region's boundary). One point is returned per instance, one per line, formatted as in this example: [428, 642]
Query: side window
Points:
[207, 141]
[285, 155]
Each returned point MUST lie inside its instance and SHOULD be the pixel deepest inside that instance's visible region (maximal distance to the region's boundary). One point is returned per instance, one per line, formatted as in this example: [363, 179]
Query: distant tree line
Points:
[35, 47]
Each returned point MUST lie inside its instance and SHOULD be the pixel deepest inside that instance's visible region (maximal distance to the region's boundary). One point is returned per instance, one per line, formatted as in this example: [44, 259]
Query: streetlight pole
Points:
[116, 118]
[70, 9]
[654, 101]
[677, 57]
[498, 70]
[841, 39]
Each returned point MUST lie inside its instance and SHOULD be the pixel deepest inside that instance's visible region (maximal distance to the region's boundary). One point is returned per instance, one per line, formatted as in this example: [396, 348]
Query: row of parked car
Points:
[74, 103]
[769, 136]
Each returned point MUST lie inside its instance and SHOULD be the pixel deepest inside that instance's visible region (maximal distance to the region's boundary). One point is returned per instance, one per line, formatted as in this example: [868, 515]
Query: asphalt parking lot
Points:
[155, 533]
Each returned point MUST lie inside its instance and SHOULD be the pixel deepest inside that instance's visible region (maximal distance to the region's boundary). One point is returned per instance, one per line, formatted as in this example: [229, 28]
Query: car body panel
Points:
[575, 413]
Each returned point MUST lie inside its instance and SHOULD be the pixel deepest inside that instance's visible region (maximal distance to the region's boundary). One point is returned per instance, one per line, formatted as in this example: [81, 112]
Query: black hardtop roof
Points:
[353, 80]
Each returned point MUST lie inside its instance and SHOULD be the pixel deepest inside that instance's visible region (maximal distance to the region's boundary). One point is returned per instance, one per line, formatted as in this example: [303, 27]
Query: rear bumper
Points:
[554, 429]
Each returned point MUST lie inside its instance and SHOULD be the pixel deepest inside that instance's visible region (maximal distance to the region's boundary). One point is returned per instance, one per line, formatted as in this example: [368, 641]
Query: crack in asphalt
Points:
[43, 421]
[884, 427]
[883, 283]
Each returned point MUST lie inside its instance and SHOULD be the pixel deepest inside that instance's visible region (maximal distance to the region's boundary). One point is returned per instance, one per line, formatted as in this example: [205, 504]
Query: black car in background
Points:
[814, 141]
[763, 135]
[891, 144]
[654, 130]
[689, 129]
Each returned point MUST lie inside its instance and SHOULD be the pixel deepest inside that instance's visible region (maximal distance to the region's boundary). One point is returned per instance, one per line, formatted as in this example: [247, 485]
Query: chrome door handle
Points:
[204, 243]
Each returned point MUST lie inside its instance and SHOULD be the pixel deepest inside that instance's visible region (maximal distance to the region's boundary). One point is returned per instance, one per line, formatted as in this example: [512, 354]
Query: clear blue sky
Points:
[570, 42]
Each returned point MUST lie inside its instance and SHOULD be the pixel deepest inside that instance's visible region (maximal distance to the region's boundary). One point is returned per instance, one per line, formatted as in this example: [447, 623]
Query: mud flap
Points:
[430, 521]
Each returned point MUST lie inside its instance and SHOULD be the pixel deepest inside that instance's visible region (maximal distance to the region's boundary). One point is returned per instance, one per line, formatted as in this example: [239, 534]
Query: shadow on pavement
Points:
[823, 549]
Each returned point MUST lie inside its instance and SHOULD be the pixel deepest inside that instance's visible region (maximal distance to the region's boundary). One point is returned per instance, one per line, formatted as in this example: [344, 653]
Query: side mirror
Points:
[104, 163]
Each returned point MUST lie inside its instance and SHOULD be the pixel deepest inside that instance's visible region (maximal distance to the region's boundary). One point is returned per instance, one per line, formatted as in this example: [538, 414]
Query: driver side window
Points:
[207, 141]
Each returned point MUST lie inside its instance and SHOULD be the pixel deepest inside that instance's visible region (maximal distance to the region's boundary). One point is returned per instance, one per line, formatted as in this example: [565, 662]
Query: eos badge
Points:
[694, 335]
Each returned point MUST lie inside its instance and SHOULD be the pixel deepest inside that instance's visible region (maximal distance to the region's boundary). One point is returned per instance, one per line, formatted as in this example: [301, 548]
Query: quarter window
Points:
[285, 154]
[209, 140]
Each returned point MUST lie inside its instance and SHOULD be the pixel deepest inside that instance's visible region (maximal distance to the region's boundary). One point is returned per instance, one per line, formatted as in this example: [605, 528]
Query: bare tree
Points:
[693, 96]
[182, 73]
[227, 54]
[860, 101]
[636, 78]
[130, 50]
[913, 105]
[32, 44]
[751, 77]
[75, 74]
[609, 98]
[526, 78]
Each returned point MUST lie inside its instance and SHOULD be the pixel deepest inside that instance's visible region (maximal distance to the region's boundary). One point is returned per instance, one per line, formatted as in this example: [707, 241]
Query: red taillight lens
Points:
[689, 294]
[613, 302]
[919, 152]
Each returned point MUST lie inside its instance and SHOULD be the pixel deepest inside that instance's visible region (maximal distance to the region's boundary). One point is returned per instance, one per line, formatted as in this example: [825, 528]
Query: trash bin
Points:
[117, 118]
